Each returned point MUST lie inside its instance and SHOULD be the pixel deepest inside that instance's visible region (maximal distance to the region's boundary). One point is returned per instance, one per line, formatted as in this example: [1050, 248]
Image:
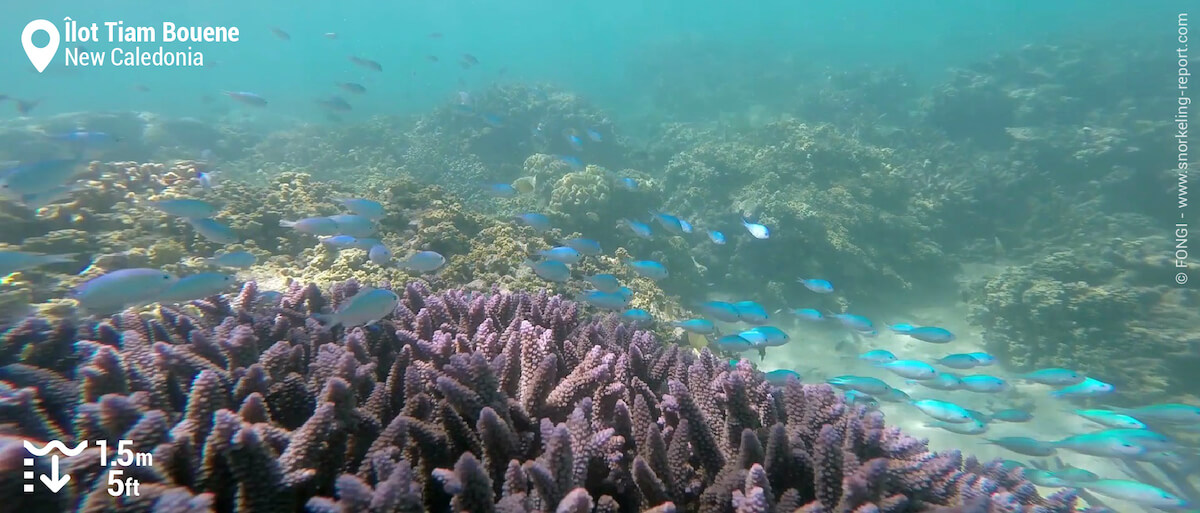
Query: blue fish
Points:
[39, 176]
[1112, 419]
[901, 328]
[1054, 377]
[587, 247]
[1045, 478]
[500, 190]
[1102, 444]
[1169, 413]
[339, 241]
[594, 135]
[241, 259]
[118, 289]
[1024, 445]
[1089, 387]
[878, 356]
[984, 384]
[575, 141]
[637, 316]
[734, 344]
[780, 377]
[369, 209]
[943, 381]
[649, 269]
[365, 243]
[894, 395]
[698, 326]
[771, 336]
[720, 310]
[13, 261]
[974, 427]
[911, 369]
[1011, 415]
[214, 230]
[354, 225]
[424, 261]
[685, 226]
[197, 286]
[671, 223]
[604, 282]
[552, 270]
[944, 411]
[366, 307]
[575, 162]
[493, 119]
[756, 230]
[809, 314]
[751, 312]
[564, 254]
[855, 322]
[379, 255]
[856, 398]
[539, 222]
[312, 225]
[931, 334]
[625, 291]
[817, 285]
[638, 228]
[867, 385]
[716, 237]
[958, 361]
[628, 184]
[603, 300]
[984, 359]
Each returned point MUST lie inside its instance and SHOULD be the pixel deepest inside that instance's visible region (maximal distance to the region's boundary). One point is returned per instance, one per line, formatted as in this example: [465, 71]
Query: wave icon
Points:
[55, 444]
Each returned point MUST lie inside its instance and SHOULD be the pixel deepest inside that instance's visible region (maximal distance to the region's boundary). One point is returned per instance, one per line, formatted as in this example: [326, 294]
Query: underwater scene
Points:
[530, 256]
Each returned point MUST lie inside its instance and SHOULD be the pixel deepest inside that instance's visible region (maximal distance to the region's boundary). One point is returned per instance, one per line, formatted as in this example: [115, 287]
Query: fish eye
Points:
[166, 276]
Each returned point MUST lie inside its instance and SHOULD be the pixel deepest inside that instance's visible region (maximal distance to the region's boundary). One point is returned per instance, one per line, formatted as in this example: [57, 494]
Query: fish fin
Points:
[762, 354]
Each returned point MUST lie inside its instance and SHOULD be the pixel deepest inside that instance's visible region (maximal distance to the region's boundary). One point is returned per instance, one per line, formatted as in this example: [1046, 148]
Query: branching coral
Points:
[476, 402]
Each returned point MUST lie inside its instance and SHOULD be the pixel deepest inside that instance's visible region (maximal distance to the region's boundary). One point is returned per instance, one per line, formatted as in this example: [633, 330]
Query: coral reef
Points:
[1101, 309]
[846, 210]
[480, 402]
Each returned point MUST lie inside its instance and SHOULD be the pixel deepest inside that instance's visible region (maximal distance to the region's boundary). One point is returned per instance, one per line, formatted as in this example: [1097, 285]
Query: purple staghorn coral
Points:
[505, 402]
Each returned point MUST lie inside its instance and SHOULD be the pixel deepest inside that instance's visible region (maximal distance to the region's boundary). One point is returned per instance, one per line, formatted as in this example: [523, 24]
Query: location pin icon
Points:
[40, 57]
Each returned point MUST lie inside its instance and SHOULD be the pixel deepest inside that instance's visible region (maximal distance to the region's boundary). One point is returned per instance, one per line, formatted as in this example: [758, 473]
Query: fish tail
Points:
[326, 320]
[762, 354]
[286, 224]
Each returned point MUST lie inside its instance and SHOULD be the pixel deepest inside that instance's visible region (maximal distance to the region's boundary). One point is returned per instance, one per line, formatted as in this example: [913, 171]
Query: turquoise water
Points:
[602, 50]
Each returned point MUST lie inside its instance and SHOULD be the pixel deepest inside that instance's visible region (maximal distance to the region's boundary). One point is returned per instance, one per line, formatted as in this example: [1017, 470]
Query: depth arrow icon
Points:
[54, 481]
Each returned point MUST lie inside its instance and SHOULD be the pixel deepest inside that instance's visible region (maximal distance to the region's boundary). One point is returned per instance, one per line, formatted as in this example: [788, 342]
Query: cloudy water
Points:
[608, 256]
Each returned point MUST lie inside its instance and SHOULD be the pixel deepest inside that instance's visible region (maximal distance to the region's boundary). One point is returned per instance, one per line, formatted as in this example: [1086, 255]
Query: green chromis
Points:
[214, 231]
[603, 300]
[973, 427]
[943, 381]
[1136, 492]
[1054, 377]
[1024, 445]
[1011, 415]
[197, 286]
[867, 385]
[1089, 387]
[14, 261]
[122, 288]
[944, 411]
[751, 312]
[734, 344]
[369, 209]
[961, 361]
[1104, 445]
[1171, 413]
[238, 259]
[366, 307]
[984, 384]
[780, 377]
[429, 261]
[1112, 419]
[911, 369]
[699, 327]
[1076, 475]
[1044, 478]
[649, 269]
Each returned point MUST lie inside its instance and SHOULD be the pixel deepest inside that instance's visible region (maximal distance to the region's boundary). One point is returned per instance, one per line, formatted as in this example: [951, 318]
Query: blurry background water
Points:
[612, 52]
